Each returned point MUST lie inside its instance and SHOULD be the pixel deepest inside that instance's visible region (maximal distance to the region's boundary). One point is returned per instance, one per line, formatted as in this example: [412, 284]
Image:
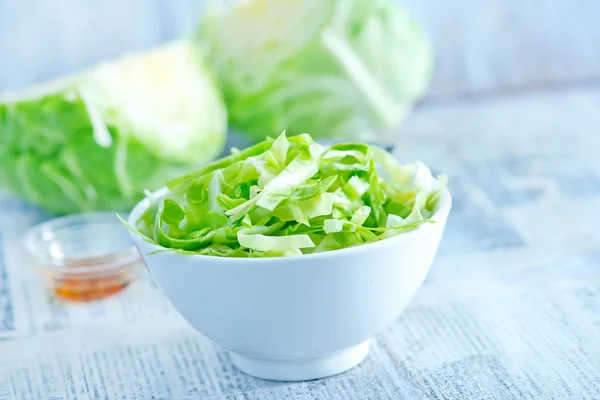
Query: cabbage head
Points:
[97, 140]
[347, 69]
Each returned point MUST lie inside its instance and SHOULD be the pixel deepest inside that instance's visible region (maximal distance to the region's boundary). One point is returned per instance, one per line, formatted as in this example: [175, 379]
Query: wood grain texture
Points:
[509, 311]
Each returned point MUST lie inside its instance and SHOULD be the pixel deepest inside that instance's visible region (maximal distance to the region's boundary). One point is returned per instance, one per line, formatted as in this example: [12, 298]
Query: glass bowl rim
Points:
[109, 261]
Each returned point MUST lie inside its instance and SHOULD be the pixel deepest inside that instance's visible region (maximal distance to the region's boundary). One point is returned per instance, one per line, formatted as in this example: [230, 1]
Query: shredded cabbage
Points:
[291, 196]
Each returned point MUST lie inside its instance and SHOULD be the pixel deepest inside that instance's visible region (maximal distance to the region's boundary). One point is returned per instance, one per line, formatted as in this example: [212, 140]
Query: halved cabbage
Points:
[348, 69]
[95, 141]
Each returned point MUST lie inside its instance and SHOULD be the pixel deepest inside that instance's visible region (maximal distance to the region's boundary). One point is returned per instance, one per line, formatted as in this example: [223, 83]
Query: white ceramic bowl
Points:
[302, 317]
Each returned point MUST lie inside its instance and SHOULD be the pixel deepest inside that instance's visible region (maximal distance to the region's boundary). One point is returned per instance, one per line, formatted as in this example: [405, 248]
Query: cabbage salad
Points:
[290, 196]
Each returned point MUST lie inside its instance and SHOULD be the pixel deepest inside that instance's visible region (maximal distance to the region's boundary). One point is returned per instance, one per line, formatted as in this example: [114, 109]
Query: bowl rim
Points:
[443, 209]
[107, 262]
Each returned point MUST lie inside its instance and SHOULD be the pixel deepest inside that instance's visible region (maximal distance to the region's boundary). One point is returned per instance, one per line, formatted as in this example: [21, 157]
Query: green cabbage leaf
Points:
[97, 140]
[291, 196]
[339, 69]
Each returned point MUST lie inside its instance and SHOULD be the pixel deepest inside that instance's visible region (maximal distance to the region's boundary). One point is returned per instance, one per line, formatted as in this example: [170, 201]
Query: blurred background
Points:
[512, 80]
[523, 75]
[480, 47]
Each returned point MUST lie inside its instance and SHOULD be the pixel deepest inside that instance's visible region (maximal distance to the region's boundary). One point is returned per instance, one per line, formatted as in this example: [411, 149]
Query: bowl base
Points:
[302, 369]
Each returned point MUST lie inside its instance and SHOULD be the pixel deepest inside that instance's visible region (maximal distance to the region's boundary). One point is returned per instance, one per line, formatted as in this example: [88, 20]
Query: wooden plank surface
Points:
[510, 309]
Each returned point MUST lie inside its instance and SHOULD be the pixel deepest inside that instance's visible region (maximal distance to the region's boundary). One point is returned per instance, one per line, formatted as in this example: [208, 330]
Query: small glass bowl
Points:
[83, 257]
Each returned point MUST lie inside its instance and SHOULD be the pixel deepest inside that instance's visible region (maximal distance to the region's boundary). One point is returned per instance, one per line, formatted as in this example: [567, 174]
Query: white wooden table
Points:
[510, 309]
